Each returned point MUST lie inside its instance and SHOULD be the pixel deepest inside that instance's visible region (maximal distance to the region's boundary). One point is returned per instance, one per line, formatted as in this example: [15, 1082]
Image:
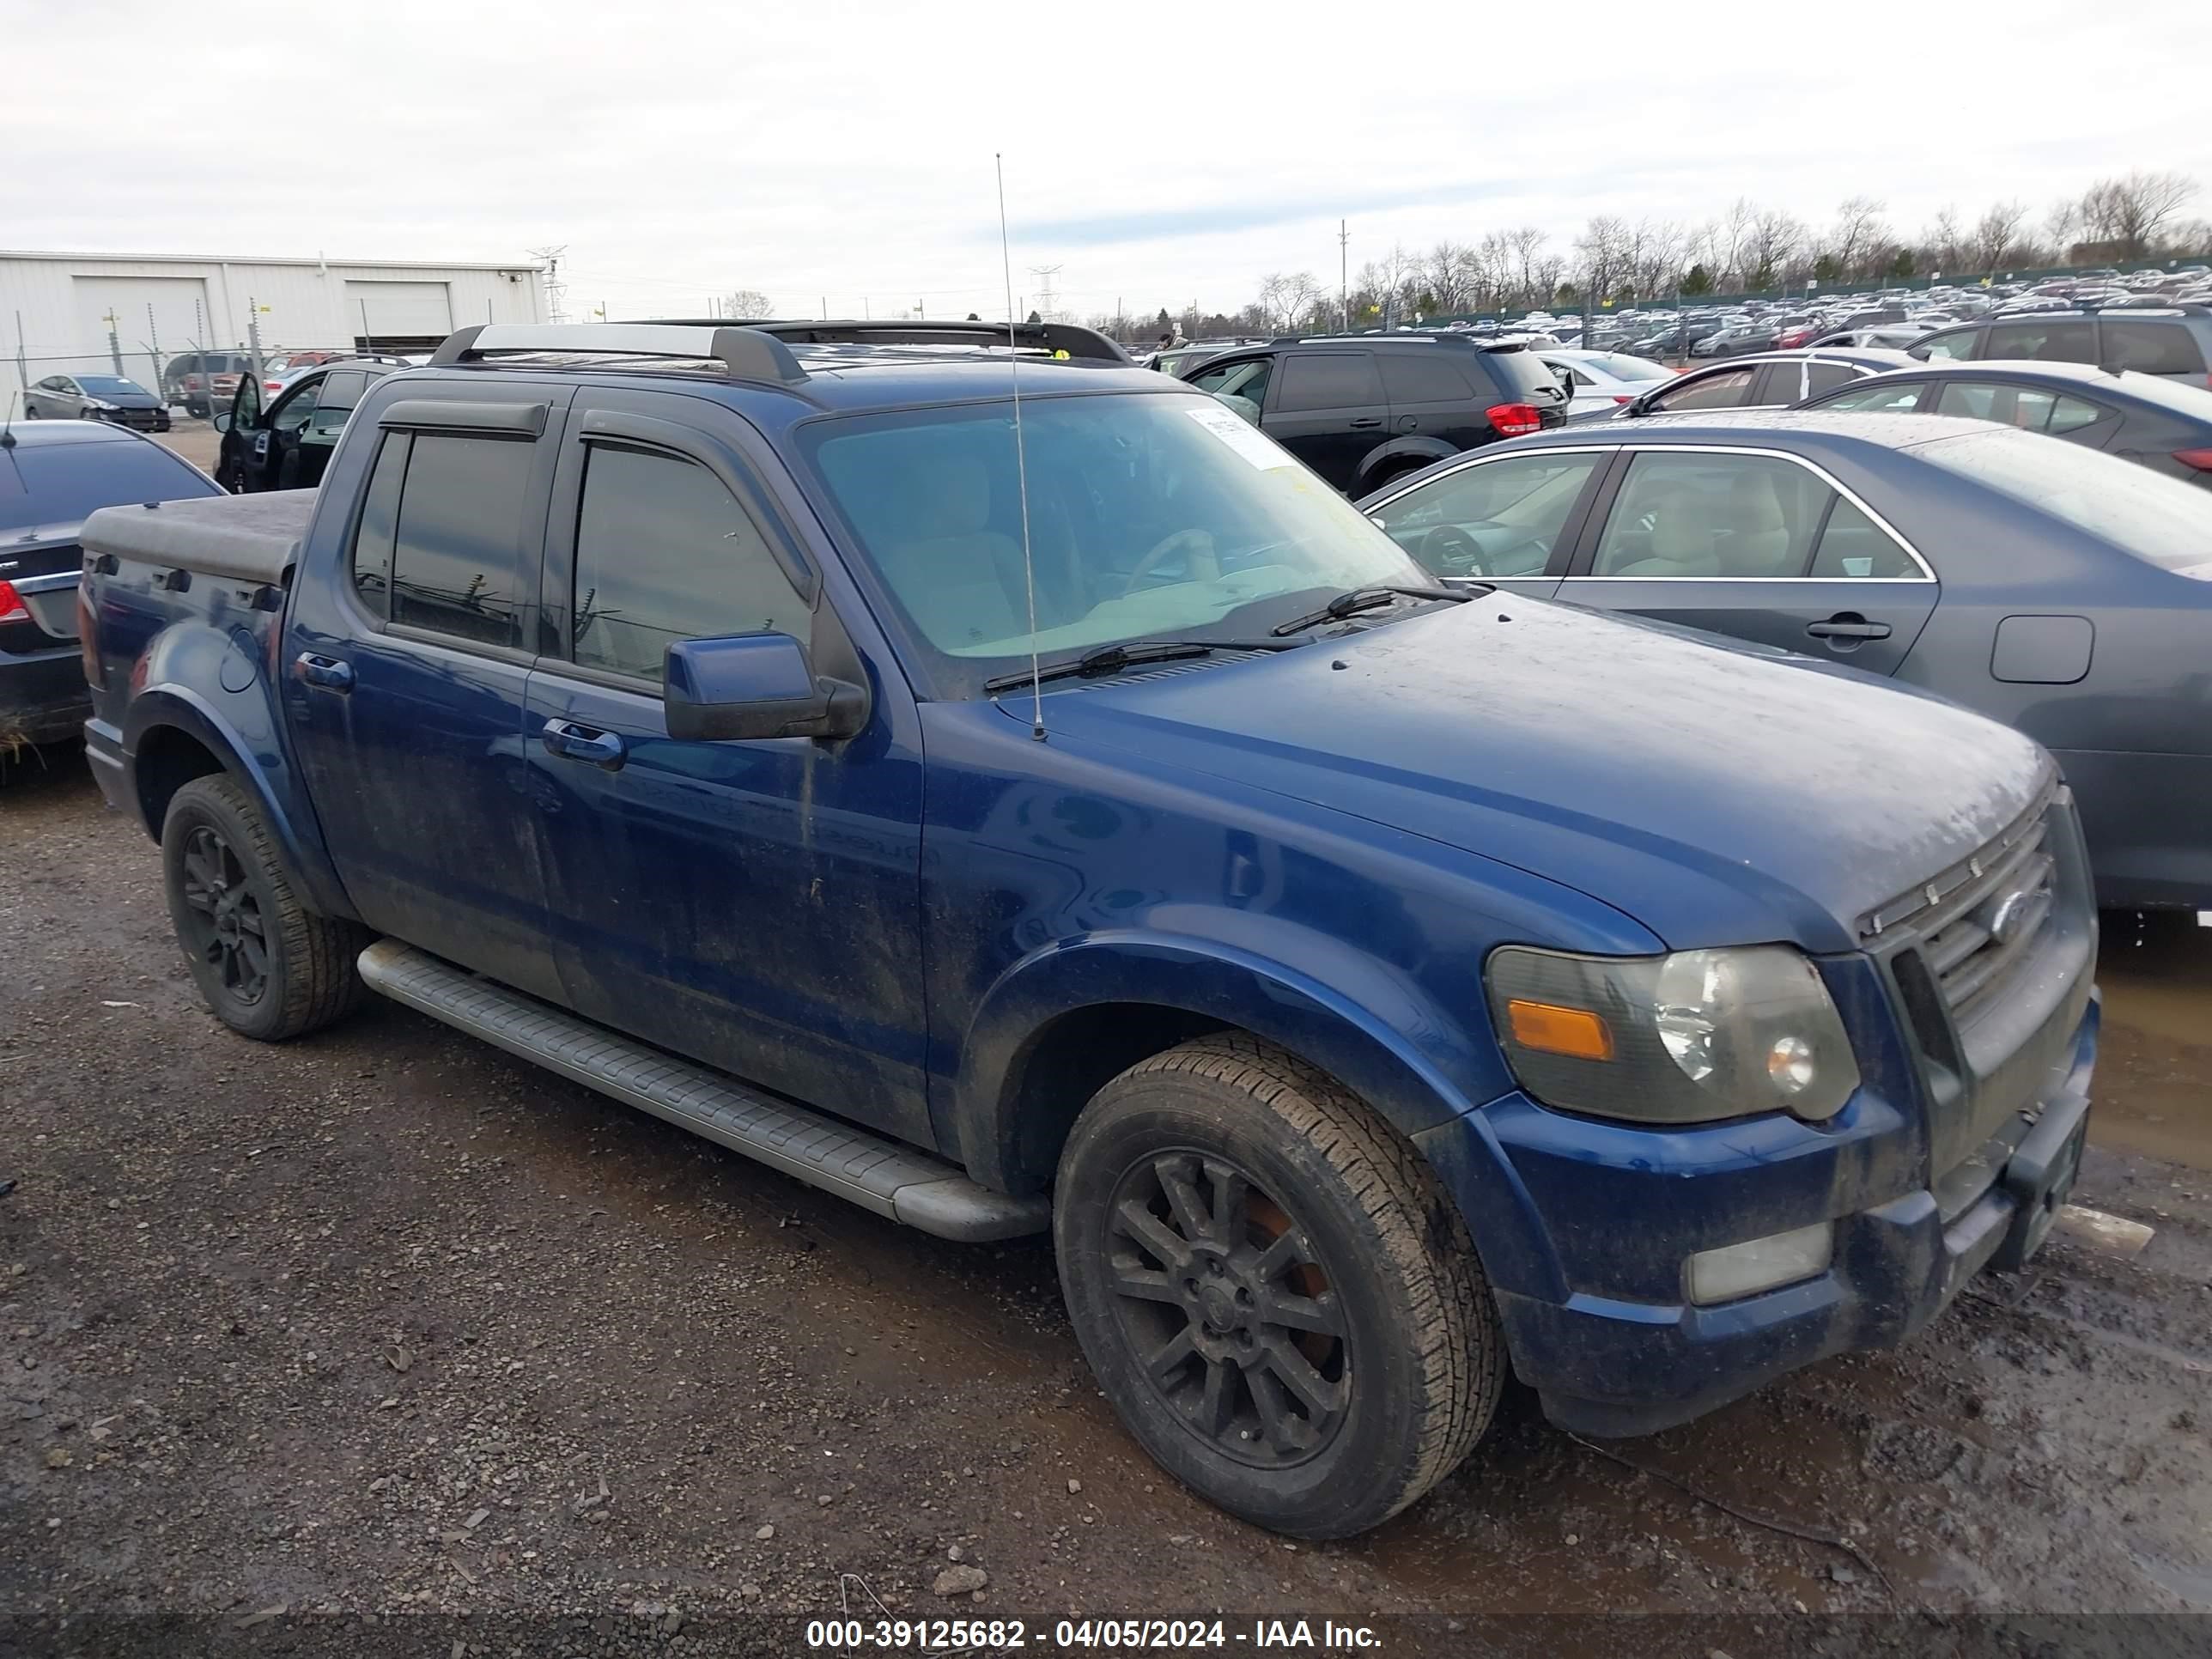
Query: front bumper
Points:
[1610, 1366]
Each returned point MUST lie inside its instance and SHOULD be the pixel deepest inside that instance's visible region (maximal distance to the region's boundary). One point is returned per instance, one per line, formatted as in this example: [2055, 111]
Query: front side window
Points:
[453, 565]
[291, 415]
[663, 552]
[1726, 389]
[1697, 514]
[1493, 518]
[379, 516]
[1880, 399]
[1329, 380]
[1955, 345]
[1149, 516]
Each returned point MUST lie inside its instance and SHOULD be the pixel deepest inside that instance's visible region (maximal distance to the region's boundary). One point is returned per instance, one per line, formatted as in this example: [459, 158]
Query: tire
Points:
[1339, 1225]
[270, 968]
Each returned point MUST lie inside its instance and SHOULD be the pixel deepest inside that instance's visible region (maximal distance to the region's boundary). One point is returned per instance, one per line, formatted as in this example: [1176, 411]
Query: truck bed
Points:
[247, 539]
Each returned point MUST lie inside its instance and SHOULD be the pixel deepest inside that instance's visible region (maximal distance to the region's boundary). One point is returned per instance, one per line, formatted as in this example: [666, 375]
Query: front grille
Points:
[1980, 919]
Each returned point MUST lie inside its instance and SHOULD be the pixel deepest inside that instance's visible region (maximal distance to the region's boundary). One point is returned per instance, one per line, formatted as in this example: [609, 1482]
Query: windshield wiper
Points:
[1354, 600]
[1113, 659]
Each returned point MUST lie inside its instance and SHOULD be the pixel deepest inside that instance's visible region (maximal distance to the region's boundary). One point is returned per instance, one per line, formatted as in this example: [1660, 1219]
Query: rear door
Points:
[409, 652]
[1759, 545]
[1432, 397]
[1328, 408]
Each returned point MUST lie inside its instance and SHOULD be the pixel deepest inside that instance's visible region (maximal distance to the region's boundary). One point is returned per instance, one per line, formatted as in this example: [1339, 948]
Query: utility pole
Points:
[553, 288]
[1344, 272]
[114, 345]
[154, 346]
[253, 333]
[1046, 299]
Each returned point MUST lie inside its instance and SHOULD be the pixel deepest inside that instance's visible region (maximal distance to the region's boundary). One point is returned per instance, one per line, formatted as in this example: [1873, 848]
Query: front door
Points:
[407, 671]
[1328, 408]
[753, 905]
[1758, 546]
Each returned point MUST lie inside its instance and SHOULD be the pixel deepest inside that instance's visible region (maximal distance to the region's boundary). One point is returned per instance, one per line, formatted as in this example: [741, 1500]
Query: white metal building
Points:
[103, 312]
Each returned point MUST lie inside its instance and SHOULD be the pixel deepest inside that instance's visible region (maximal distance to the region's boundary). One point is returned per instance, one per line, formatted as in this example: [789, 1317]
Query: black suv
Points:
[2174, 341]
[1362, 409]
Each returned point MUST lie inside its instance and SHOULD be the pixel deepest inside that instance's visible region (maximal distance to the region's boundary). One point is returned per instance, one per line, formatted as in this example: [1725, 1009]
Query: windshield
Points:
[2161, 520]
[1149, 517]
[102, 385]
[60, 483]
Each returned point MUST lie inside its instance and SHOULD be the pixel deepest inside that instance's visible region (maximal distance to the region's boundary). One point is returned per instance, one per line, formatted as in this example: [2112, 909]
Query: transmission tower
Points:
[1046, 300]
[555, 288]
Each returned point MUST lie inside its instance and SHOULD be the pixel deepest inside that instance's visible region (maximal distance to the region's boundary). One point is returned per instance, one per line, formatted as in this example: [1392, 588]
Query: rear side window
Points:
[1826, 377]
[663, 552]
[1853, 547]
[2030, 408]
[453, 565]
[1330, 379]
[1423, 377]
[1886, 399]
[1726, 389]
[342, 389]
[1520, 372]
[2065, 343]
[2152, 348]
[1692, 513]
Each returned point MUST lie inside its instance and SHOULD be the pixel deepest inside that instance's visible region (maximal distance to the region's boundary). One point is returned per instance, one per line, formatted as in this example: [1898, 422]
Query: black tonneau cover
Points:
[247, 539]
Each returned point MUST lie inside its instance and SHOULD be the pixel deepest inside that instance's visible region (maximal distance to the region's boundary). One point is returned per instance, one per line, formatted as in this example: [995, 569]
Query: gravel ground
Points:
[385, 1323]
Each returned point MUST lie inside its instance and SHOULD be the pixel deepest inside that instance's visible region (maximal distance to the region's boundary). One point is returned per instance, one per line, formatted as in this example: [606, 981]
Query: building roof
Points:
[264, 259]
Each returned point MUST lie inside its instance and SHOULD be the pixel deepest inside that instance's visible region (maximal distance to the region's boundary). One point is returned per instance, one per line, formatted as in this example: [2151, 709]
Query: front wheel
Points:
[1282, 1303]
[268, 966]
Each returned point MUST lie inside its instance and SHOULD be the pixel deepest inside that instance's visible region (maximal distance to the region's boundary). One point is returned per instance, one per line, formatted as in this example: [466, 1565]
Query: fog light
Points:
[1760, 1264]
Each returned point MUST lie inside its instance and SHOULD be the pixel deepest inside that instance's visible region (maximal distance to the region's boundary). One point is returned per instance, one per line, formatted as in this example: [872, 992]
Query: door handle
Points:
[1366, 421]
[584, 743]
[1848, 627]
[328, 673]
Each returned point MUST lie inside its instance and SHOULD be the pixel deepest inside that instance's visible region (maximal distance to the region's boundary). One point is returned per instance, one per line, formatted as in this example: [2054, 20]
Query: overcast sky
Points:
[1157, 153]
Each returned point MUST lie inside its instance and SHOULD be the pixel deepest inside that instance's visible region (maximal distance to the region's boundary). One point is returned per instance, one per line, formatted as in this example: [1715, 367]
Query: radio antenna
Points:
[1021, 460]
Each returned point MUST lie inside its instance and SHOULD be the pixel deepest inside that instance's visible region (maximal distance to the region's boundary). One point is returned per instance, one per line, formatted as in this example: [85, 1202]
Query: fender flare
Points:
[179, 708]
[1392, 457]
[1367, 1024]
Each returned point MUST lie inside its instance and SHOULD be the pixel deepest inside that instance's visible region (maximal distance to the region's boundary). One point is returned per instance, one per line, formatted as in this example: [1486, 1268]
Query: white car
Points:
[1599, 382]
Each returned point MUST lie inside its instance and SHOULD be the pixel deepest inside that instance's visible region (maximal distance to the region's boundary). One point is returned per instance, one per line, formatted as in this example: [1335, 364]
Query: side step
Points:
[879, 1174]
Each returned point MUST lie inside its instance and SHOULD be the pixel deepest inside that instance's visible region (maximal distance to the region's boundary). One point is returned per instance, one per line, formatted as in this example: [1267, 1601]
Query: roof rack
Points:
[1075, 340]
[748, 353]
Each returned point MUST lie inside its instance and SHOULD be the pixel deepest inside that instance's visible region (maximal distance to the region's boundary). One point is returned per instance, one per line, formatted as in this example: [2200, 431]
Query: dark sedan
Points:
[1738, 340]
[96, 397]
[1774, 379]
[2147, 418]
[2062, 591]
[51, 476]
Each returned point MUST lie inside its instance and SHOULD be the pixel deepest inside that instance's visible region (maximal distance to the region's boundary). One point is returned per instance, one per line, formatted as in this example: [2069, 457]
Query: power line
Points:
[554, 286]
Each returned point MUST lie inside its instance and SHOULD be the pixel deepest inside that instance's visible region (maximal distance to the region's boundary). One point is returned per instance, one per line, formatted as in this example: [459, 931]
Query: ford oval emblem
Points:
[2014, 913]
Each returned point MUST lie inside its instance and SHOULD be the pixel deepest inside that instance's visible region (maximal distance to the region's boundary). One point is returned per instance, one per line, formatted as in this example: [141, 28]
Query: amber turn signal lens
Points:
[1555, 1030]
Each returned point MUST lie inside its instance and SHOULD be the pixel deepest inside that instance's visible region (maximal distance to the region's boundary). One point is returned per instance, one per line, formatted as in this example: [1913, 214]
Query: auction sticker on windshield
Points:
[1223, 423]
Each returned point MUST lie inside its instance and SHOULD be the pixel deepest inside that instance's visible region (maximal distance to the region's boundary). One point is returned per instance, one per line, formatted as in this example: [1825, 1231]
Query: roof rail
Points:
[748, 353]
[1076, 342]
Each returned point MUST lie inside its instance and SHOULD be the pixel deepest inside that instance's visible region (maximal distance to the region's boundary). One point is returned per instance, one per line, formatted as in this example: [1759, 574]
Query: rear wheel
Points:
[1281, 1303]
[268, 966]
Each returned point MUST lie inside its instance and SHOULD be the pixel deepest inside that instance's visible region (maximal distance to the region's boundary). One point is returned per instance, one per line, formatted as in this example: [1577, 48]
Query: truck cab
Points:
[1004, 787]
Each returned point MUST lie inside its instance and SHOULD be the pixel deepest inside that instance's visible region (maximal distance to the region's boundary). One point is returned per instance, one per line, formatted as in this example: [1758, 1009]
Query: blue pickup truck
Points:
[1001, 787]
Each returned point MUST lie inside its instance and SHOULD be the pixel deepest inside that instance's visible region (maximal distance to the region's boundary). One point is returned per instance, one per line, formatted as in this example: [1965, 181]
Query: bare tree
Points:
[1601, 260]
[2127, 212]
[1773, 241]
[1860, 237]
[1535, 268]
[747, 302]
[1996, 234]
[1945, 239]
[1736, 230]
[1656, 257]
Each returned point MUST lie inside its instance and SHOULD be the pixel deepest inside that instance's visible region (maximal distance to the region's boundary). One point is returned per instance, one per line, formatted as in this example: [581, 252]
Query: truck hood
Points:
[1718, 794]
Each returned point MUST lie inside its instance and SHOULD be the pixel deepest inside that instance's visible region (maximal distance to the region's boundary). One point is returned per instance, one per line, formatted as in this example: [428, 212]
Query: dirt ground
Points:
[384, 1322]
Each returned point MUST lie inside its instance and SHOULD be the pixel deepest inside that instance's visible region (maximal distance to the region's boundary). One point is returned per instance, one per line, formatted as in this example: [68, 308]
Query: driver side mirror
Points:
[747, 686]
[222, 420]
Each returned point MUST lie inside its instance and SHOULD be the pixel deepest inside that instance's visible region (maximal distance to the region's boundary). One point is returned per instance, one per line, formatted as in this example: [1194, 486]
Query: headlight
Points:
[1684, 1038]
